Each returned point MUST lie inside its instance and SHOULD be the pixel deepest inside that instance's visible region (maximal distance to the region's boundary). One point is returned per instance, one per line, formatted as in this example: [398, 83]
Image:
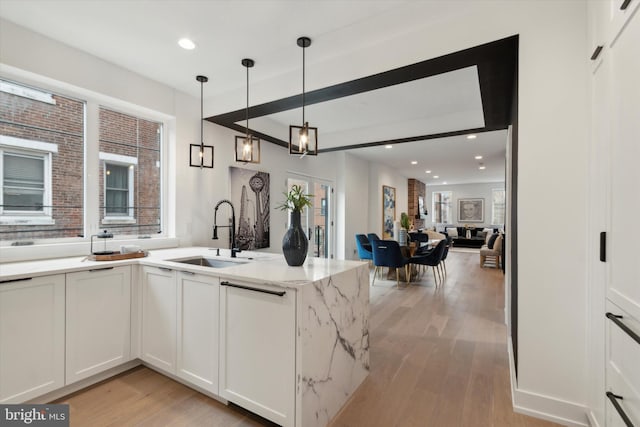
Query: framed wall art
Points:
[388, 211]
[470, 210]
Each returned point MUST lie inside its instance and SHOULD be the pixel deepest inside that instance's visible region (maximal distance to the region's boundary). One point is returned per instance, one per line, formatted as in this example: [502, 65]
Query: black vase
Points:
[294, 242]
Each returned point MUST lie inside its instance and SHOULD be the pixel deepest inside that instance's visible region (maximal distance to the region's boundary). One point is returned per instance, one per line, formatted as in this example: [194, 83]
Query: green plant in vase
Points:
[295, 242]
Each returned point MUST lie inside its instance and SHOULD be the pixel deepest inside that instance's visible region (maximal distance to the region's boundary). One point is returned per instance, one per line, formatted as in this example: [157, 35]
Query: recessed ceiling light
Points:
[186, 43]
[388, 146]
[414, 162]
[427, 171]
[444, 182]
[471, 137]
[478, 157]
[436, 176]
[482, 167]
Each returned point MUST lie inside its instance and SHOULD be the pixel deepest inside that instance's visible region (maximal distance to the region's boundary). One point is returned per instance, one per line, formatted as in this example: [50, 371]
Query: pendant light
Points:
[200, 155]
[247, 146]
[303, 140]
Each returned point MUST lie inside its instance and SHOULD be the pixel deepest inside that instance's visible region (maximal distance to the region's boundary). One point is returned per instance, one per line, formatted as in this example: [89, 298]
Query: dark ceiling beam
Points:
[496, 62]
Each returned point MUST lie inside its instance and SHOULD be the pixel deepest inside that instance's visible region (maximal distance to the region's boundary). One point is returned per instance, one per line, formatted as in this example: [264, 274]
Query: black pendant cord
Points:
[201, 119]
[247, 109]
[303, 68]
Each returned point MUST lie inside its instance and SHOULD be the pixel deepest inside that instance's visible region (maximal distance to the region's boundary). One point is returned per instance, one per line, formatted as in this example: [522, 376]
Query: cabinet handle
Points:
[168, 270]
[24, 279]
[249, 288]
[100, 269]
[614, 401]
[603, 246]
[190, 273]
[625, 4]
[616, 319]
[596, 53]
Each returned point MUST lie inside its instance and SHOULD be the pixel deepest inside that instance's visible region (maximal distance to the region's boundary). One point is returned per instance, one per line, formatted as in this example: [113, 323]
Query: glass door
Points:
[318, 220]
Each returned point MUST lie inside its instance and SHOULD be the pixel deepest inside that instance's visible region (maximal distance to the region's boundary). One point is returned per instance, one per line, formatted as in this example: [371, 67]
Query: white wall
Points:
[356, 194]
[464, 191]
[380, 175]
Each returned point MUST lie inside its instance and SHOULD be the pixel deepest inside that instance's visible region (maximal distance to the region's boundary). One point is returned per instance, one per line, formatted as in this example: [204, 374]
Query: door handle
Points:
[251, 288]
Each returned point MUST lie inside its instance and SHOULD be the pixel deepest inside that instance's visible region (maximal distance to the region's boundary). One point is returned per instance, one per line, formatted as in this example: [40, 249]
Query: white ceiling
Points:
[141, 35]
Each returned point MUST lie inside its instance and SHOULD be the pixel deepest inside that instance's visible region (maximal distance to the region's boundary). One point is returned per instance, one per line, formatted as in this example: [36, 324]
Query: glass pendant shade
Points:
[303, 140]
[200, 155]
[247, 146]
[247, 149]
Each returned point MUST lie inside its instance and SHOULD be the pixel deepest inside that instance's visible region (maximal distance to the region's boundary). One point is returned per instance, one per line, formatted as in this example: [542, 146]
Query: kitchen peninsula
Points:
[288, 343]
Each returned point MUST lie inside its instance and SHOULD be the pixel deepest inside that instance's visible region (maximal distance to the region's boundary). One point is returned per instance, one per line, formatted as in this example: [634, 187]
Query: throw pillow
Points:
[481, 235]
[452, 231]
[492, 240]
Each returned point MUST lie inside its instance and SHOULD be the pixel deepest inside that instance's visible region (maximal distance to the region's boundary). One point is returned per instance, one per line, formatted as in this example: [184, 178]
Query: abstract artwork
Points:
[250, 193]
[388, 211]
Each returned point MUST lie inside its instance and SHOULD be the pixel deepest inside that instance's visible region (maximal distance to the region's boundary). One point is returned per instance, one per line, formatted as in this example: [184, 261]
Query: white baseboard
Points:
[545, 407]
[72, 388]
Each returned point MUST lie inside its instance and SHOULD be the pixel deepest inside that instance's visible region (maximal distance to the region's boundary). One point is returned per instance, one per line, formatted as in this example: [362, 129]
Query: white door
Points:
[317, 221]
[31, 337]
[198, 321]
[158, 346]
[257, 349]
[98, 317]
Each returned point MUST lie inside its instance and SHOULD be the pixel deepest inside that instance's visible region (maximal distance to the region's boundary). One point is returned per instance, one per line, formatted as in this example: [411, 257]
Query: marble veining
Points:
[334, 332]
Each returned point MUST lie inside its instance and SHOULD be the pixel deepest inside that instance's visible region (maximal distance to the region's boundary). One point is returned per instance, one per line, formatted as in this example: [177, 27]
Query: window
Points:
[441, 207]
[45, 182]
[41, 164]
[117, 190]
[130, 166]
[497, 206]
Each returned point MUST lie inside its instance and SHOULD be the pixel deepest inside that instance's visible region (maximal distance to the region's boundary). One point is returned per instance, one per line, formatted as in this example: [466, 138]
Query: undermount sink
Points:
[209, 262]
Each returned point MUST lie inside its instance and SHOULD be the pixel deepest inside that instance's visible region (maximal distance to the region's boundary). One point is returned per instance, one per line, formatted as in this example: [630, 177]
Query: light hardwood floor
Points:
[438, 358]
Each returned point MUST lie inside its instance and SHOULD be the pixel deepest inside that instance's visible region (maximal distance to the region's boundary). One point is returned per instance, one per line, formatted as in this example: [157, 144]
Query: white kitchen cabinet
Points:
[31, 337]
[98, 321]
[257, 349]
[624, 267]
[197, 327]
[158, 337]
[613, 355]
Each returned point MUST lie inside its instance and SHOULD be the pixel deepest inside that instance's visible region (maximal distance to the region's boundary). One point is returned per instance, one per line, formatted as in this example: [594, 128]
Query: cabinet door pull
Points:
[603, 246]
[596, 53]
[24, 279]
[615, 318]
[100, 269]
[168, 270]
[625, 4]
[249, 288]
[190, 273]
[614, 401]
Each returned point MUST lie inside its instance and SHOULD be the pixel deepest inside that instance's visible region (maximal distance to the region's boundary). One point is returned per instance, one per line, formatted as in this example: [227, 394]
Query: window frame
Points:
[493, 206]
[439, 209]
[130, 163]
[38, 248]
[34, 149]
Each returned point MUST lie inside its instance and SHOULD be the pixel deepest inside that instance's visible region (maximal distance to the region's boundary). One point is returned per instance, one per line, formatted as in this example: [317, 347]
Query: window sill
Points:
[118, 220]
[9, 220]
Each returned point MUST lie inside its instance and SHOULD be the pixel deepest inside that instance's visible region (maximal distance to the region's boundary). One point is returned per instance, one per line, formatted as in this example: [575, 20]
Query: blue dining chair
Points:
[432, 259]
[387, 253]
[372, 237]
[365, 250]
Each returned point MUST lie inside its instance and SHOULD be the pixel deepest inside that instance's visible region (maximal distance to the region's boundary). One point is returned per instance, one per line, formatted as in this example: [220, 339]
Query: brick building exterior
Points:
[54, 119]
[60, 123]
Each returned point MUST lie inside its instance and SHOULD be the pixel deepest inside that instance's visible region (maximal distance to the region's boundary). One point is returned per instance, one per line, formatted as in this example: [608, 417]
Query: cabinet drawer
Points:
[623, 367]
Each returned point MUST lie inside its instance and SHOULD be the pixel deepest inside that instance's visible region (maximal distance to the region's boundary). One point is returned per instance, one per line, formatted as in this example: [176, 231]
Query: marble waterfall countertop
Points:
[259, 267]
